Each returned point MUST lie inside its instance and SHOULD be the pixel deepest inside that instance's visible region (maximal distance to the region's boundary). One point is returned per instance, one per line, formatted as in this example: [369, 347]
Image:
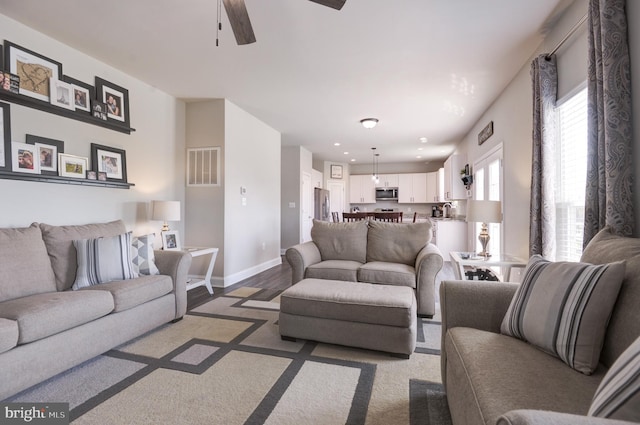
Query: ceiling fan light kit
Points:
[369, 122]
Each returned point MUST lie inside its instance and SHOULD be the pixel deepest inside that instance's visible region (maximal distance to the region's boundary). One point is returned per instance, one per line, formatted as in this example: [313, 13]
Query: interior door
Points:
[306, 213]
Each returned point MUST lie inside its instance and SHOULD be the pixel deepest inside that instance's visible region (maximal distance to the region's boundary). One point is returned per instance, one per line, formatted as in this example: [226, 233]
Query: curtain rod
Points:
[566, 37]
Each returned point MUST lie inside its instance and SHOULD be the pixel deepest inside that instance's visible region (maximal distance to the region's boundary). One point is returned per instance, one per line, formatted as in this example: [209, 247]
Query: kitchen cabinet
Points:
[453, 187]
[387, 180]
[433, 192]
[412, 188]
[450, 235]
[362, 189]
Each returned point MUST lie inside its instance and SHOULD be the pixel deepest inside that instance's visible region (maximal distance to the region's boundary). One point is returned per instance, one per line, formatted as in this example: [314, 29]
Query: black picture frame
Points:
[98, 109]
[32, 85]
[1, 58]
[5, 135]
[112, 161]
[88, 87]
[117, 100]
[59, 148]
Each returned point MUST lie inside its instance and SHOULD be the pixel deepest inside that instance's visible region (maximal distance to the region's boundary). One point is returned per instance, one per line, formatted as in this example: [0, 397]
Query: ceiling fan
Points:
[241, 25]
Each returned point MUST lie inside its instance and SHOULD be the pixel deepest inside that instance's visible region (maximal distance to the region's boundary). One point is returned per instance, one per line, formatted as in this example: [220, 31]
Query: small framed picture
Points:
[9, 82]
[82, 94]
[5, 137]
[61, 94]
[24, 158]
[92, 175]
[102, 176]
[336, 171]
[116, 98]
[111, 161]
[48, 150]
[72, 166]
[99, 109]
[171, 240]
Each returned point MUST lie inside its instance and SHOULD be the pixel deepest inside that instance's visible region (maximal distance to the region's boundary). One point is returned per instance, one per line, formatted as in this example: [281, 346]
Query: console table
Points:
[458, 261]
[197, 252]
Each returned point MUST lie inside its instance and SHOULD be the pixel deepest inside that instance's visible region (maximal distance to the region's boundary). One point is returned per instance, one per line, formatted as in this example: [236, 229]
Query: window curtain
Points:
[608, 199]
[544, 75]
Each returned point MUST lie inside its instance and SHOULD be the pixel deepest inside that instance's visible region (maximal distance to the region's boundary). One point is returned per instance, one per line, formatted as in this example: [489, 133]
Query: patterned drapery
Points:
[608, 199]
[542, 225]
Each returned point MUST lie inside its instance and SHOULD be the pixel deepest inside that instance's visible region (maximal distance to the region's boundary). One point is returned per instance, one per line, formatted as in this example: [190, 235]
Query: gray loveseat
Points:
[494, 378]
[372, 252]
[47, 328]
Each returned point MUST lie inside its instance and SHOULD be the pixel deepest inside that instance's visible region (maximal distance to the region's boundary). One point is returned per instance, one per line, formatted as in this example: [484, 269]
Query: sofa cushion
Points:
[130, 293]
[59, 242]
[22, 250]
[334, 270]
[397, 242]
[42, 315]
[143, 256]
[492, 374]
[618, 396]
[341, 241]
[624, 326]
[563, 308]
[387, 274]
[103, 259]
[8, 334]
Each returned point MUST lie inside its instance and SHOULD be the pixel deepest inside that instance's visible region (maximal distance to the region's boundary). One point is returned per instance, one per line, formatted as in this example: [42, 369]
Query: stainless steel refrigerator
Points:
[321, 206]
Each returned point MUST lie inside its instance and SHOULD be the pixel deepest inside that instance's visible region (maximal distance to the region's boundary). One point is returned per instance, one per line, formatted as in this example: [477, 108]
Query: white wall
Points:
[295, 161]
[252, 160]
[154, 152]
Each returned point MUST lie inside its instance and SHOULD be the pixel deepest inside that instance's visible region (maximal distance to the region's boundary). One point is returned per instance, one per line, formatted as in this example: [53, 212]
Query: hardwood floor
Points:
[279, 278]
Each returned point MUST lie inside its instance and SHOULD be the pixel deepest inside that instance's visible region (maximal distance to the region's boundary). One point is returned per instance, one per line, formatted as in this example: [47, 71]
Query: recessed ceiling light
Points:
[419, 156]
[353, 160]
[346, 153]
[336, 144]
[419, 149]
[423, 140]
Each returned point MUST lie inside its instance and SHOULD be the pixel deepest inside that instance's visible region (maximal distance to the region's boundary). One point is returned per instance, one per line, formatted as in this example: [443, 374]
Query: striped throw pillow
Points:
[618, 395]
[563, 308]
[103, 260]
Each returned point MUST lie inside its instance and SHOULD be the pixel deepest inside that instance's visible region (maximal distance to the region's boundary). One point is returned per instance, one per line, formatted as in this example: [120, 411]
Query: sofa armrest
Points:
[539, 417]
[300, 257]
[428, 264]
[176, 264]
[474, 304]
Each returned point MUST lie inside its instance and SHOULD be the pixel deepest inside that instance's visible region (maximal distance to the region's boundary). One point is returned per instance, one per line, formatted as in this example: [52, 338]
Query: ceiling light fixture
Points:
[374, 168]
[369, 122]
[423, 140]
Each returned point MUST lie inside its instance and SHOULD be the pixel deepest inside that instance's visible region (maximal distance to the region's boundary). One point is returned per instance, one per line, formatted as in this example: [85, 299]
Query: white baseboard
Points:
[223, 282]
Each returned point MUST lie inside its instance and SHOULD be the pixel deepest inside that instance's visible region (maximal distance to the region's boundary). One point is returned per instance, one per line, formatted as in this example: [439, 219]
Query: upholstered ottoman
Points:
[363, 315]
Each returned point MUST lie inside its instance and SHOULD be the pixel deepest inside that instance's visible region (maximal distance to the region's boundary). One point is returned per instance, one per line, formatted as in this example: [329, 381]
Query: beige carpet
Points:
[225, 363]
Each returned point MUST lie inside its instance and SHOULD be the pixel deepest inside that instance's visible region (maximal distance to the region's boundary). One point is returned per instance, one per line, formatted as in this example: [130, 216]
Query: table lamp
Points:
[166, 211]
[484, 212]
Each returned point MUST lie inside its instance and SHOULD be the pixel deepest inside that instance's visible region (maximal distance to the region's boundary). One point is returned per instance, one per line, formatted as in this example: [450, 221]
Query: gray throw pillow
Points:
[341, 241]
[397, 242]
[618, 395]
[563, 308]
[142, 255]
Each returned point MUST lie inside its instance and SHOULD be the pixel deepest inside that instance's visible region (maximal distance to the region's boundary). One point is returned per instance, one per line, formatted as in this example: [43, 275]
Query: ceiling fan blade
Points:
[239, 20]
[335, 4]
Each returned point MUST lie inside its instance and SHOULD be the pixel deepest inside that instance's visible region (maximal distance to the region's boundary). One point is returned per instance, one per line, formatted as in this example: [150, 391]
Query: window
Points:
[488, 185]
[571, 174]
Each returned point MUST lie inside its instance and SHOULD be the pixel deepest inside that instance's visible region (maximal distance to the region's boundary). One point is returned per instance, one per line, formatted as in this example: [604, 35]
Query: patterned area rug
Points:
[225, 363]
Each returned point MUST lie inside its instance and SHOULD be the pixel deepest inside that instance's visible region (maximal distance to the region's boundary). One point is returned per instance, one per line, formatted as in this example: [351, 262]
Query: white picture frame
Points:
[171, 240]
[24, 158]
[61, 94]
[72, 166]
[81, 98]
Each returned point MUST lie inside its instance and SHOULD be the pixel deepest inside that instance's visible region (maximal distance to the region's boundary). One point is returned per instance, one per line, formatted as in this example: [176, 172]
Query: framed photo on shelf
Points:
[24, 158]
[116, 99]
[171, 240]
[48, 150]
[91, 175]
[99, 109]
[102, 176]
[34, 70]
[111, 161]
[82, 93]
[72, 166]
[336, 171]
[5, 137]
[61, 94]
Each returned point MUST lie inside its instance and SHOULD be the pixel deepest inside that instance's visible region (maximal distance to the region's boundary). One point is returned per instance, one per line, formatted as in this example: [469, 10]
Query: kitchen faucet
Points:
[446, 207]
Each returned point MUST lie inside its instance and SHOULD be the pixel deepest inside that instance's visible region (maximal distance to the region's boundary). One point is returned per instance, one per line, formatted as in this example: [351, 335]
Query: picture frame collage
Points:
[32, 75]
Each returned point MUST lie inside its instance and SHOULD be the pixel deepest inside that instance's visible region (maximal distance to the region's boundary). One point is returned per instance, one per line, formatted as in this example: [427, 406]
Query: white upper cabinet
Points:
[387, 180]
[362, 189]
[453, 187]
[412, 188]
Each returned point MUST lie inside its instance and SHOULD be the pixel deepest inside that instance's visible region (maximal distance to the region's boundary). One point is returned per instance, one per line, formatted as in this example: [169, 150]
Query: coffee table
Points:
[507, 261]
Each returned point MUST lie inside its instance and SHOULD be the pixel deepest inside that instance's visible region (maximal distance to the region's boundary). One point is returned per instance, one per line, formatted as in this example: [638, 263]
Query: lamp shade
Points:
[484, 211]
[166, 211]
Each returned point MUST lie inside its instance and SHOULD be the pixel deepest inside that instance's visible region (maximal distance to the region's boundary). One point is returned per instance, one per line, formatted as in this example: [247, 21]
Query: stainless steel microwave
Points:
[386, 193]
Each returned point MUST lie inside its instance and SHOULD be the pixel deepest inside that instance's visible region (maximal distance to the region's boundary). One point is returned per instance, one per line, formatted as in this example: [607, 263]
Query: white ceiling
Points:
[424, 68]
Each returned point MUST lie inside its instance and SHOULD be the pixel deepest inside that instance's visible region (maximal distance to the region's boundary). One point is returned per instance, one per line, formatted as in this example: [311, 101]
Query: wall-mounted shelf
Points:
[83, 116]
[9, 175]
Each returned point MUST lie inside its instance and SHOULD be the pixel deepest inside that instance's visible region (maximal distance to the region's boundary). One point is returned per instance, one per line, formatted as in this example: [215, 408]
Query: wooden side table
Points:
[197, 252]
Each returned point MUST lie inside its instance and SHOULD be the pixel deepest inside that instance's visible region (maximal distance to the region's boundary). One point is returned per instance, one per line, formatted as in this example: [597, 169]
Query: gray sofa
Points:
[494, 378]
[372, 252]
[47, 328]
